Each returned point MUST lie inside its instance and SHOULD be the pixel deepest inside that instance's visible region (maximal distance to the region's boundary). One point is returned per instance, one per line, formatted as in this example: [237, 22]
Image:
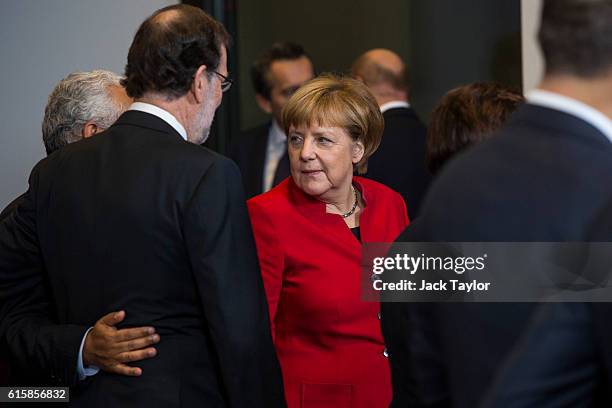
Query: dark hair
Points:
[168, 49]
[465, 116]
[576, 36]
[261, 67]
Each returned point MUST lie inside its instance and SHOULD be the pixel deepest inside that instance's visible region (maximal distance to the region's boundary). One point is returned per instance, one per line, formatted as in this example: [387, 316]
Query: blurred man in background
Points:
[399, 161]
[545, 177]
[261, 152]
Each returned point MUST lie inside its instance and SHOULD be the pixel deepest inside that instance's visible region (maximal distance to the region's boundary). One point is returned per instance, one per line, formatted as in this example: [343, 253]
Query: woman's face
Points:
[322, 159]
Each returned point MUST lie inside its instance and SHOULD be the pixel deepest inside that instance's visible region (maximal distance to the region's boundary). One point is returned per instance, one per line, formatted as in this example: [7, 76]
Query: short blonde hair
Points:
[332, 100]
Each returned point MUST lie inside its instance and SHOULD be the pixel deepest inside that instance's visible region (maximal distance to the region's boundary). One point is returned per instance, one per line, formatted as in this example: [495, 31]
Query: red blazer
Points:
[328, 341]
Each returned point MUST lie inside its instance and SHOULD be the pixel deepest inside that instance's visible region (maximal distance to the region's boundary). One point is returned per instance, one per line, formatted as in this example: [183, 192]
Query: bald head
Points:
[384, 72]
[384, 59]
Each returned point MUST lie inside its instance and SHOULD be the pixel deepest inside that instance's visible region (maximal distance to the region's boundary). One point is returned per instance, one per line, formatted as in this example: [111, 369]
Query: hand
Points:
[109, 348]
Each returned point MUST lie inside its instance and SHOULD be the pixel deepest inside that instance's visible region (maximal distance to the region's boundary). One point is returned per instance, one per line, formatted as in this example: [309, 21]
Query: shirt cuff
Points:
[84, 372]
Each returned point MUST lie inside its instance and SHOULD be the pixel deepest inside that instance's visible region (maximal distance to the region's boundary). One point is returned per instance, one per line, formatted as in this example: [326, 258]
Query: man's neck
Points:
[596, 93]
[386, 99]
[177, 107]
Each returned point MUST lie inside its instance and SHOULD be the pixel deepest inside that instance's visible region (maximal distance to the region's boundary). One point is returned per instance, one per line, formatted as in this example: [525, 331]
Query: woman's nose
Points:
[308, 150]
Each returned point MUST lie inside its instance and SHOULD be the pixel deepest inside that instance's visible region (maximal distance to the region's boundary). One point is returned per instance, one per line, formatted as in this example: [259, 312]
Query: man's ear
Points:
[264, 103]
[199, 84]
[90, 129]
[358, 151]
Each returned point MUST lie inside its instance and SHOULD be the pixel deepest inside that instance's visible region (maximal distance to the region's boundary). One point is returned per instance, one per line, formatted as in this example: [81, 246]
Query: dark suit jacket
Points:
[8, 376]
[399, 161]
[11, 207]
[543, 178]
[555, 363]
[249, 153]
[564, 357]
[4, 364]
[138, 219]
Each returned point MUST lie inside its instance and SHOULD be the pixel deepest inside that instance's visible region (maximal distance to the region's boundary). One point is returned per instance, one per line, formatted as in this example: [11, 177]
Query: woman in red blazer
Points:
[309, 231]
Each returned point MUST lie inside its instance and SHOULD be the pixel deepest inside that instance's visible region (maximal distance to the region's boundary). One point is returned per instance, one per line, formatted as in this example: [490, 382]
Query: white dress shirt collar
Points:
[572, 107]
[162, 114]
[392, 105]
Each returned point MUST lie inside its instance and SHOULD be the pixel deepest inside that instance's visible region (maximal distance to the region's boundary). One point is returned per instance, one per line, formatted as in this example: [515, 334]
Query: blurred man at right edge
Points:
[545, 177]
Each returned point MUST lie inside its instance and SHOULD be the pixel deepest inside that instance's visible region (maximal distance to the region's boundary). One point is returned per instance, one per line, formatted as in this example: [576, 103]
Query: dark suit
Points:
[4, 364]
[555, 364]
[542, 178]
[564, 357]
[399, 161]
[249, 153]
[11, 207]
[8, 376]
[139, 219]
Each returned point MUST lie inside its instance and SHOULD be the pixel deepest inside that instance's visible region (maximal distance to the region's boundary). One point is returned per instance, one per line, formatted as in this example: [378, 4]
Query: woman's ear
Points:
[358, 151]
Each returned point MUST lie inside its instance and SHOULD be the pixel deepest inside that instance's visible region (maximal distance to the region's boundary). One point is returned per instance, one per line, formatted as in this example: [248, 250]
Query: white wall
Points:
[533, 64]
[41, 41]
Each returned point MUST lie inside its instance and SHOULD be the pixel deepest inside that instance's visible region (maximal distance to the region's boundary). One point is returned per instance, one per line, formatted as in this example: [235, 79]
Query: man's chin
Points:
[202, 138]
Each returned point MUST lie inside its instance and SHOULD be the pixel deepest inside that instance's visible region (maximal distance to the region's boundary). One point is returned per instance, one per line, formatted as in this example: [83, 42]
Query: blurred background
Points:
[445, 43]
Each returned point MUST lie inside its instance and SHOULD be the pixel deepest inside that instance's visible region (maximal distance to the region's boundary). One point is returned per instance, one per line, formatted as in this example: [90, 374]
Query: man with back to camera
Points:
[399, 161]
[157, 225]
[545, 177]
[80, 106]
[261, 152]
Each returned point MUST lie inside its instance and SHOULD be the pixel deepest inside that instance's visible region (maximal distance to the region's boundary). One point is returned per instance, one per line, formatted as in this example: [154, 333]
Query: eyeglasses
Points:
[226, 83]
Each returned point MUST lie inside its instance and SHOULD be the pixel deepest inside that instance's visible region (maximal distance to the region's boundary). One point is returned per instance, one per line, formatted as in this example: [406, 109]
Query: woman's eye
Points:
[294, 139]
[324, 140]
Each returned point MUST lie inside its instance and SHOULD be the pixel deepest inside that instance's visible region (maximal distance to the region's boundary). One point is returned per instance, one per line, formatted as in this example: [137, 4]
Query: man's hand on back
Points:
[110, 349]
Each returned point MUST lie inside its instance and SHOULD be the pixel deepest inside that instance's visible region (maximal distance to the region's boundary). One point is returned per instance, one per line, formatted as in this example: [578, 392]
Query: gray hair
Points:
[77, 99]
